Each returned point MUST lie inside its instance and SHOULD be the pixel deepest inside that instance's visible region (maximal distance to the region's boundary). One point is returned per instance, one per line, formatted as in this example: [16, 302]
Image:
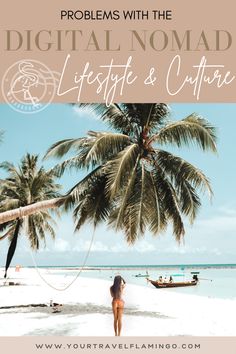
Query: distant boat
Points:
[142, 275]
[178, 284]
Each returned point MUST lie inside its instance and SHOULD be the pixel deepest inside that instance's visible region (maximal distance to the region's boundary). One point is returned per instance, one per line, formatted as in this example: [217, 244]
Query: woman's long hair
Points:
[116, 287]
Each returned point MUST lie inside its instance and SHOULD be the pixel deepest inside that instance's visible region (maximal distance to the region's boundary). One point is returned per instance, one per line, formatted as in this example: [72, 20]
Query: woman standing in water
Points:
[117, 303]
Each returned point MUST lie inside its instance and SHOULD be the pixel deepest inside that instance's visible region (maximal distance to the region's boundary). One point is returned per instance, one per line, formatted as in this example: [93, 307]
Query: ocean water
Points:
[216, 281]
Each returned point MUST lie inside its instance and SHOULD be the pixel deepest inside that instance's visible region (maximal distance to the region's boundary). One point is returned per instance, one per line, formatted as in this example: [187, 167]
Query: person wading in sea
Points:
[117, 303]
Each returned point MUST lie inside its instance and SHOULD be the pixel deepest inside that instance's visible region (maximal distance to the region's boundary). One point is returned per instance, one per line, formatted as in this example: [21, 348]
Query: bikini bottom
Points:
[118, 302]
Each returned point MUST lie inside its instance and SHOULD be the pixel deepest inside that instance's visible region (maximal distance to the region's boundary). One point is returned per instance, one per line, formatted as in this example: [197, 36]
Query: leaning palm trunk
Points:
[19, 213]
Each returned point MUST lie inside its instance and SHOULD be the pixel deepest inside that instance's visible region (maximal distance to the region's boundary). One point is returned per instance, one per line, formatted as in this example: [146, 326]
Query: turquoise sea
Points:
[216, 281]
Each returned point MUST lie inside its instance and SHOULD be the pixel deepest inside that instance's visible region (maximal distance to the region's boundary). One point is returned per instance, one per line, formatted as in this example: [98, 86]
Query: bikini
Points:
[118, 302]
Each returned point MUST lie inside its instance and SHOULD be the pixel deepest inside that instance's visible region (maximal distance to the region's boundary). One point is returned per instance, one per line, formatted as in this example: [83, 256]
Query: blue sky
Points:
[212, 238]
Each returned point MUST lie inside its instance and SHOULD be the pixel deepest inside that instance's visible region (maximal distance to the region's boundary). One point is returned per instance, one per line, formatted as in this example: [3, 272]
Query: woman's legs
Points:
[115, 312]
[119, 319]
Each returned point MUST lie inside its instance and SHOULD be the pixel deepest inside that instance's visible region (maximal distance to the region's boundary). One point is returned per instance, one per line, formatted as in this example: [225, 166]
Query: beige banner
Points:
[126, 51]
[177, 345]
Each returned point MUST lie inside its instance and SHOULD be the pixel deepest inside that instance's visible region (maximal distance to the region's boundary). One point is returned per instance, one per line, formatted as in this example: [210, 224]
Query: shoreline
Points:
[133, 267]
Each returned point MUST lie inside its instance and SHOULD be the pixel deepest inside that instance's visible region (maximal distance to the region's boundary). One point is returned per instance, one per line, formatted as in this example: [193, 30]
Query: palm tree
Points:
[25, 185]
[133, 184]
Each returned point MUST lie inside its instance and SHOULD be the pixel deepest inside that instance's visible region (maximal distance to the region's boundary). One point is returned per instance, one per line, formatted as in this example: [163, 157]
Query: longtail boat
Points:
[160, 285]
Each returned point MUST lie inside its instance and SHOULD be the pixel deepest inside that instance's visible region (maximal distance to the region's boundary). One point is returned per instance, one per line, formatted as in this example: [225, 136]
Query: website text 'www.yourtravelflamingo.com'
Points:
[117, 346]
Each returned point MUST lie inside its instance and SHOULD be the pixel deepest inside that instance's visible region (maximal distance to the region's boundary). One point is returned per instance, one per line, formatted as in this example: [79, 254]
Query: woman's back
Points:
[117, 288]
[117, 292]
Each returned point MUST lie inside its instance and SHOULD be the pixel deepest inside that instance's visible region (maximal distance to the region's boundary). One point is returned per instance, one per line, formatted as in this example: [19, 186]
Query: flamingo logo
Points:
[28, 86]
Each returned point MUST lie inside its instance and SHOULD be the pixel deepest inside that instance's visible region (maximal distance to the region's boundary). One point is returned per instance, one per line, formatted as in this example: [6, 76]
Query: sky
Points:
[211, 239]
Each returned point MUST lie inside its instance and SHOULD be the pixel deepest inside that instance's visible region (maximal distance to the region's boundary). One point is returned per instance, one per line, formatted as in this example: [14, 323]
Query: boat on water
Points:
[178, 284]
[161, 285]
[140, 275]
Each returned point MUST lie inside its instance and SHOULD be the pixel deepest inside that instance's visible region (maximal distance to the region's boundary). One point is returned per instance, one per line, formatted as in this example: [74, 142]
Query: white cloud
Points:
[228, 210]
[216, 251]
[144, 246]
[221, 223]
[122, 247]
[62, 245]
[85, 246]
[190, 250]
[140, 247]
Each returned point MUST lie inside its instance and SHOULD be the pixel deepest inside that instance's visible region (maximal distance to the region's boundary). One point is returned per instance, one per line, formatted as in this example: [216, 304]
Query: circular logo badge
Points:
[28, 86]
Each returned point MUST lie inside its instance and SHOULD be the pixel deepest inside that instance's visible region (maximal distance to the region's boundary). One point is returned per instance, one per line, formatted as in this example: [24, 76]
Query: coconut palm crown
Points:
[134, 184]
[25, 185]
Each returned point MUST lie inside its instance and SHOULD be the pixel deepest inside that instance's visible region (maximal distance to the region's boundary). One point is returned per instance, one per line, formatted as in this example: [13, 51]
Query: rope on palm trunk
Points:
[77, 275]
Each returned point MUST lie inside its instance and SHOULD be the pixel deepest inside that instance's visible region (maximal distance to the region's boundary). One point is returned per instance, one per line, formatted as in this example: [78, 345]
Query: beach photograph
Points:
[118, 220]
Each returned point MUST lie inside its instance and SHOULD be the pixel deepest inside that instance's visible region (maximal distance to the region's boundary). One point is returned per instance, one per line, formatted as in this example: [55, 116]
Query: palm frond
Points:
[180, 170]
[189, 201]
[75, 163]
[95, 149]
[121, 168]
[114, 115]
[123, 203]
[130, 226]
[8, 234]
[130, 118]
[62, 147]
[105, 144]
[8, 204]
[153, 115]
[94, 205]
[157, 217]
[170, 202]
[192, 129]
[141, 202]
[9, 167]
[32, 233]
[74, 195]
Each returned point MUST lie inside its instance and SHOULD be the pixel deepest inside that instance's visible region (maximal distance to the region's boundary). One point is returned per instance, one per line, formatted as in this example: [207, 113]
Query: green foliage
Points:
[25, 185]
[133, 184]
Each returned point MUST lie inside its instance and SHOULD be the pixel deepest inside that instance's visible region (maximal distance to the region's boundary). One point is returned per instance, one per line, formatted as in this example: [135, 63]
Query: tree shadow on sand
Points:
[78, 309]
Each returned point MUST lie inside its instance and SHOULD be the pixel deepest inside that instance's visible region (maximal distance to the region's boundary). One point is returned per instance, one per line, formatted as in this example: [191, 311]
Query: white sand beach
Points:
[86, 309]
